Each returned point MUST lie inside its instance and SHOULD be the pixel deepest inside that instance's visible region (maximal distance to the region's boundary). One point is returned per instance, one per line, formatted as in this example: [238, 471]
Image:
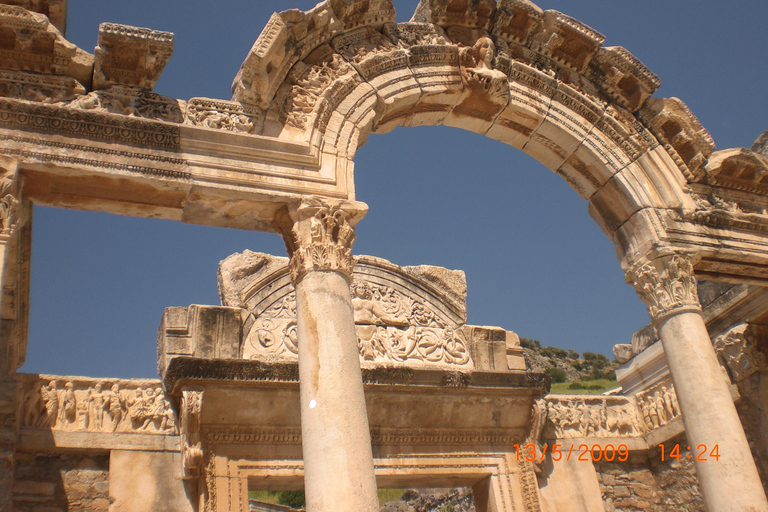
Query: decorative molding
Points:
[738, 350]
[318, 236]
[130, 56]
[390, 326]
[90, 125]
[667, 286]
[380, 436]
[108, 405]
[223, 115]
[132, 102]
[580, 416]
[191, 442]
[39, 88]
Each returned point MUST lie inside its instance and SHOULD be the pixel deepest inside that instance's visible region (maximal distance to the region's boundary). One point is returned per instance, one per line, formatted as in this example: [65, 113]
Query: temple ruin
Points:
[340, 374]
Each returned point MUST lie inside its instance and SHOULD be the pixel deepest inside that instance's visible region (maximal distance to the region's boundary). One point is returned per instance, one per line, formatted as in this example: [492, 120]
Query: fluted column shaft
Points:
[336, 441]
[730, 483]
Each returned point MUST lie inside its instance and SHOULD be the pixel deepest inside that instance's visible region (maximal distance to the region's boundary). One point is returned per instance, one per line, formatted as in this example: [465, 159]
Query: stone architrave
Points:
[336, 441]
[668, 287]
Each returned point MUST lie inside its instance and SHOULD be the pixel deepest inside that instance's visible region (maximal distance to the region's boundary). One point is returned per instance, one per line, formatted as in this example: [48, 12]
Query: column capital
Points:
[319, 234]
[667, 285]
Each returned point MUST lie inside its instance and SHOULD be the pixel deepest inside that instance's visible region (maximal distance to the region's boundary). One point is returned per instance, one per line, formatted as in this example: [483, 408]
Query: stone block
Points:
[130, 56]
[621, 491]
[32, 43]
[146, 482]
[209, 332]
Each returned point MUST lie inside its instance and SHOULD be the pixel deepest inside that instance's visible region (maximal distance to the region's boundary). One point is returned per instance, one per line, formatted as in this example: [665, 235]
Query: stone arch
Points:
[536, 80]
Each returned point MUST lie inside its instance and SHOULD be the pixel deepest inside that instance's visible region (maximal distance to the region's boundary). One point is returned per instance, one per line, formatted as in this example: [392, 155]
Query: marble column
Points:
[336, 441]
[730, 484]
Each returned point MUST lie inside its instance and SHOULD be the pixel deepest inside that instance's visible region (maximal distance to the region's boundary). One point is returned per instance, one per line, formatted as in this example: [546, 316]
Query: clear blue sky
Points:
[536, 263]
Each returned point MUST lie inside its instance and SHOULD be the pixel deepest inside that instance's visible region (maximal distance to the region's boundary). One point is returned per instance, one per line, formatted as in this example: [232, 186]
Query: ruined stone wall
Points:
[58, 483]
[646, 483]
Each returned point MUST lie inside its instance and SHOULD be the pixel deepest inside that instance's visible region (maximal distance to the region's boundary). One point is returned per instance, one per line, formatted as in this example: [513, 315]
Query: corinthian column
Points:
[730, 484]
[336, 441]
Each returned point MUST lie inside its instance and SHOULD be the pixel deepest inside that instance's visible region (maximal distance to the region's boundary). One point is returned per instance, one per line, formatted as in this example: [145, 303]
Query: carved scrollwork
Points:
[191, 437]
[391, 327]
[738, 350]
[309, 83]
[96, 406]
[131, 101]
[666, 285]
[223, 115]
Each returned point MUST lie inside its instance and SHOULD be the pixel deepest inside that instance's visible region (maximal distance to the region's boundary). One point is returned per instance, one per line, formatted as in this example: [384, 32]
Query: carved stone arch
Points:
[536, 80]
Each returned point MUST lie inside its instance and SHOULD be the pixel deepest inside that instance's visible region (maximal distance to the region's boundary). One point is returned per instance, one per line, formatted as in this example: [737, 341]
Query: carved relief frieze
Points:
[658, 405]
[575, 416]
[312, 85]
[411, 34]
[667, 285]
[391, 327]
[134, 102]
[289, 37]
[31, 43]
[738, 350]
[88, 123]
[91, 405]
[223, 115]
[40, 88]
[361, 44]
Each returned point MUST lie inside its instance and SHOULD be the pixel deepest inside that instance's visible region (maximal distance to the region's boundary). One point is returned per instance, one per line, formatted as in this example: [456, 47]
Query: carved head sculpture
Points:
[361, 290]
[484, 50]
[116, 388]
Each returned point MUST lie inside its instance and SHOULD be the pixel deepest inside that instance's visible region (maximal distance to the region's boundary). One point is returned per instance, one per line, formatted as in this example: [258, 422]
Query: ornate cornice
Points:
[667, 286]
[319, 236]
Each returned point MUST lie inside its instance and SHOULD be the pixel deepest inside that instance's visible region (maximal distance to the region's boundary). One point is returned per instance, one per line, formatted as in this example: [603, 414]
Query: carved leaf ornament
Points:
[390, 327]
[666, 289]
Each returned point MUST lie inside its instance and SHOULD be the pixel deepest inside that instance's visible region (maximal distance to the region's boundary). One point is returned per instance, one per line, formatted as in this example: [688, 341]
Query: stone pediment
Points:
[411, 315]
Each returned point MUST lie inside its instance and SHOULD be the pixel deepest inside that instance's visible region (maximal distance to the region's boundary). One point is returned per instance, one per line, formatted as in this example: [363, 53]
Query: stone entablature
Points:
[81, 404]
[317, 82]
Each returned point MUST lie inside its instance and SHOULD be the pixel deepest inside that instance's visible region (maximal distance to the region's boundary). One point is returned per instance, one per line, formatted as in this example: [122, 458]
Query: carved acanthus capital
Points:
[319, 236]
[667, 285]
[191, 439]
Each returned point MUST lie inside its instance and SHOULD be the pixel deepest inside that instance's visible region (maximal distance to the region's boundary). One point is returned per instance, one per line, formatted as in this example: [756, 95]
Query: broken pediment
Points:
[404, 316]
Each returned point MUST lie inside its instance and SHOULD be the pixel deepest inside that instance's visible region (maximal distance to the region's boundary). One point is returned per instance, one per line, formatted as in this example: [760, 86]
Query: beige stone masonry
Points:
[130, 56]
